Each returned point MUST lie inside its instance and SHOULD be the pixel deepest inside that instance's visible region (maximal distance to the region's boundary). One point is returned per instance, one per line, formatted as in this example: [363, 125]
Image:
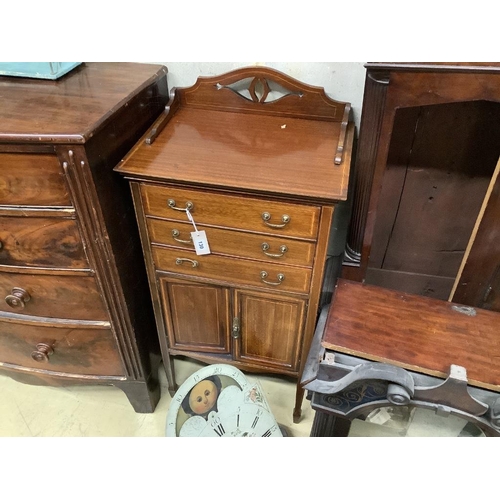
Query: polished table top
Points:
[414, 332]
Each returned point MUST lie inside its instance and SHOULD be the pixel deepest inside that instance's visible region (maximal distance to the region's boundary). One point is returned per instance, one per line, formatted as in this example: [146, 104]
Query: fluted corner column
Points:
[376, 85]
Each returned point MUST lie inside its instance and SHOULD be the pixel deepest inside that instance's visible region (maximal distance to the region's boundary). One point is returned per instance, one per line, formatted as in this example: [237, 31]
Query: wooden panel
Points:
[55, 296]
[235, 243]
[418, 333]
[232, 270]
[271, 329]
[41, 242]
[78, 351]
[29, 179]
[197, 315]
[491, 298]
[232, 211]
[402, 138]
[234, 91]
[479, 282]
[436, 287]
[438, 169]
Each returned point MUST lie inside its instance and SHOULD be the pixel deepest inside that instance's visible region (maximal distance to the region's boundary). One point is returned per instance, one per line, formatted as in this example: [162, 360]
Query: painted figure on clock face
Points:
[202, 398]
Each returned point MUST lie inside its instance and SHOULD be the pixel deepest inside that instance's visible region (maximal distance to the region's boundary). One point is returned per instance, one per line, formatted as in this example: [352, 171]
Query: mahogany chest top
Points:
[73, 108]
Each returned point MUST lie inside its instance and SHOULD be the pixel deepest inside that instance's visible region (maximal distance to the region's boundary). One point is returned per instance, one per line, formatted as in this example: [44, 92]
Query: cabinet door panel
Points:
[197, 315]
[270, 329]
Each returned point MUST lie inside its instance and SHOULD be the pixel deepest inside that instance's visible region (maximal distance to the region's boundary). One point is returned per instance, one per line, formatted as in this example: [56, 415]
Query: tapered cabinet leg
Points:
[297, 411]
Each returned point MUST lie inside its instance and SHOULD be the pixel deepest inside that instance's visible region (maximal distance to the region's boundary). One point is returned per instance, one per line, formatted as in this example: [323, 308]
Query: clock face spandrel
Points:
[218, 401]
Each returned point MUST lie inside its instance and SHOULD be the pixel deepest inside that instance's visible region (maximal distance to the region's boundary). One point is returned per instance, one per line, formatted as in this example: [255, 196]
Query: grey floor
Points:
[27, 410]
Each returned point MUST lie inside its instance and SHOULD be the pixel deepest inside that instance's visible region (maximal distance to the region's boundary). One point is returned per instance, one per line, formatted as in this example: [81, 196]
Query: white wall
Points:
[343, 81]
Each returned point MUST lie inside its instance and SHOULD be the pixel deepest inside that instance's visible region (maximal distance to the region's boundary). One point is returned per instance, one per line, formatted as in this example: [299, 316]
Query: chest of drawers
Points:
[75, 306]
[258, 161]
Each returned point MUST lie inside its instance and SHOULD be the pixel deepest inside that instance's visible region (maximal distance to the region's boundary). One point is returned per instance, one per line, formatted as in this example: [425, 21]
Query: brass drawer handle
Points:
[42, 353]
[189, 206]
[280, 276]
[179, 261]
[18, 298]
[176, 233]
[283, 250]
[266, 216]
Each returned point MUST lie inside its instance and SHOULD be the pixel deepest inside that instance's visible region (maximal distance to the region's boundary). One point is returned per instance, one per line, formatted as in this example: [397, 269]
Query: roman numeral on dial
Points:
[219, 430]
[256, 419]
[269, 431]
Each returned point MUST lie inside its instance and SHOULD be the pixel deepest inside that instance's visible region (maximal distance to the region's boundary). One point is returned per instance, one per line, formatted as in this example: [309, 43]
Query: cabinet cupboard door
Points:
[196, 314]
[270, 328]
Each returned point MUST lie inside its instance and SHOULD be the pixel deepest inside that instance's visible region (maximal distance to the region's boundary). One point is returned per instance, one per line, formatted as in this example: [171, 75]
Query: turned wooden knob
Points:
[42, 353]
[18, 298]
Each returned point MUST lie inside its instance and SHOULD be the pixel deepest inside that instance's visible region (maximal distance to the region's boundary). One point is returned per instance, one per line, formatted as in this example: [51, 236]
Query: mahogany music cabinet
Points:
[258, 160]
[75, 307]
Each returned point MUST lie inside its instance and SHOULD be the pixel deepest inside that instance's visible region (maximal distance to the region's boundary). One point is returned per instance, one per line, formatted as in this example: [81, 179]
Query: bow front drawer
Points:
[75, 350]
[32, 180]
[51, 242]
[52, 296]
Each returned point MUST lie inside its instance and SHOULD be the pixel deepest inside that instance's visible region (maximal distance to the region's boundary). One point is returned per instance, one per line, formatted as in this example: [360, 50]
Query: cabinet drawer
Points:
[240, 244]
[232, 211]
[66, 297]
[233, 270]
[41, 242]
[32, 179]
[79, 351]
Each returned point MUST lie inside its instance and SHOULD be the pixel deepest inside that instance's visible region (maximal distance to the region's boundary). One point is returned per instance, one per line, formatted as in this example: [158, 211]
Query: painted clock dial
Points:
[218, 401]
